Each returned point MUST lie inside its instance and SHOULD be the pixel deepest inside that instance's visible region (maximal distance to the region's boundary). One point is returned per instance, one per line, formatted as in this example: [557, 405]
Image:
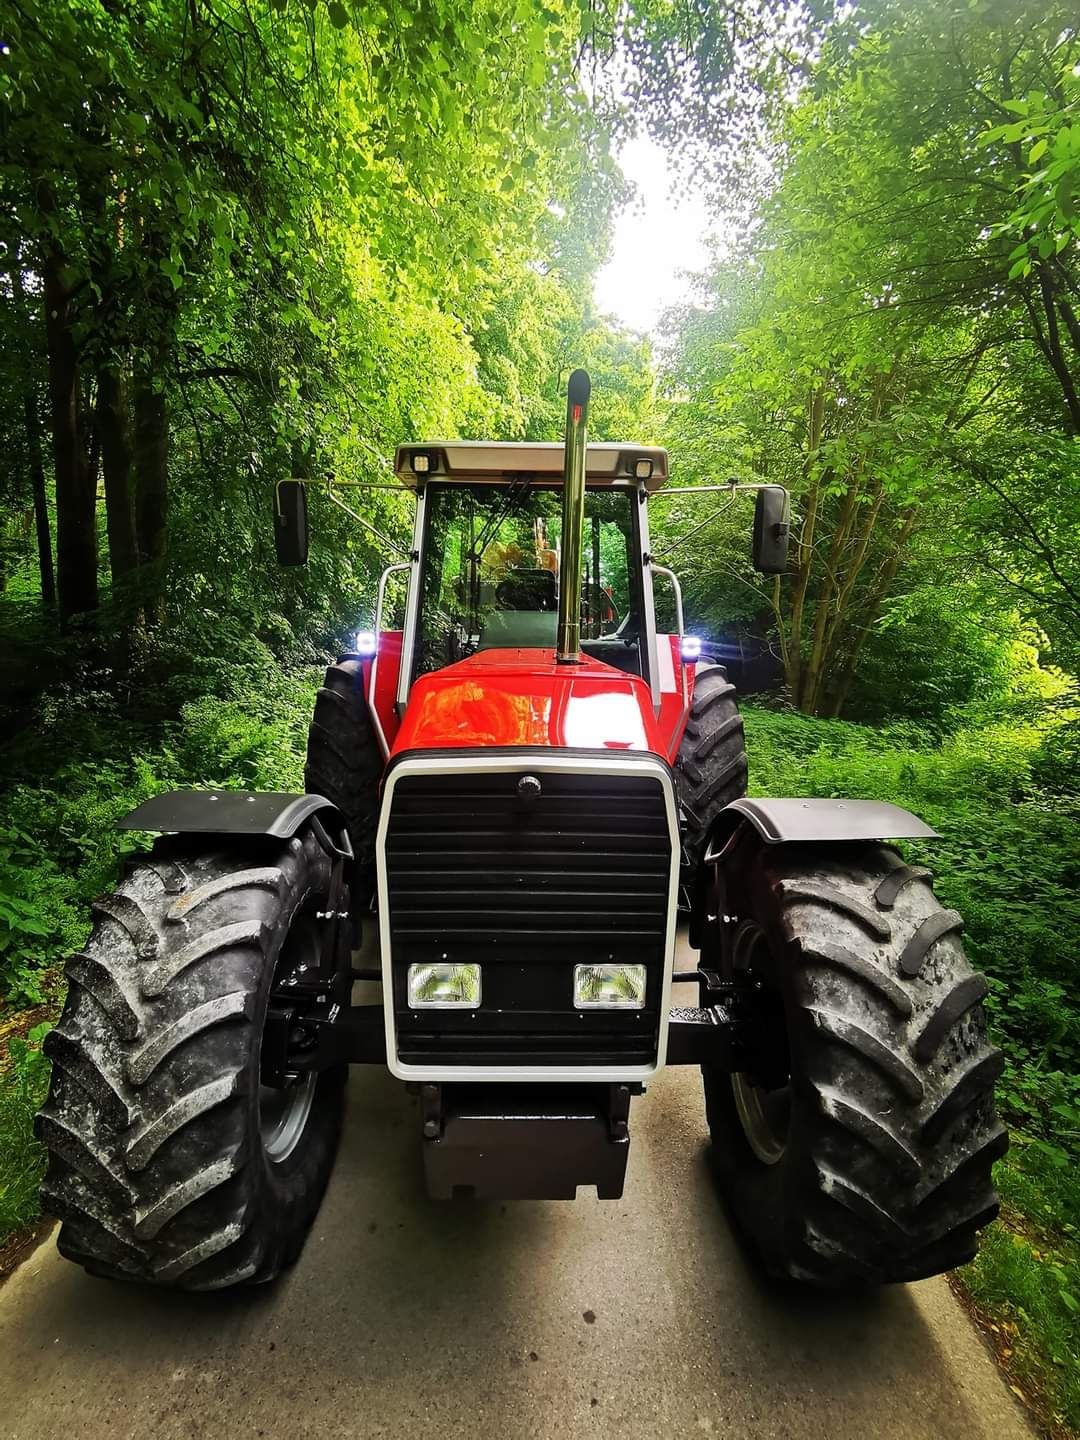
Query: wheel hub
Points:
[764, 1113]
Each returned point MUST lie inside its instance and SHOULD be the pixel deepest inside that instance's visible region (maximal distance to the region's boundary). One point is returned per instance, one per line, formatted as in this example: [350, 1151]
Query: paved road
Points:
[639, 1318]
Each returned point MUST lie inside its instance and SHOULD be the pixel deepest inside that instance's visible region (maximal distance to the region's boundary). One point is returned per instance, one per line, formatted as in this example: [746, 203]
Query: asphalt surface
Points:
[407, 1317]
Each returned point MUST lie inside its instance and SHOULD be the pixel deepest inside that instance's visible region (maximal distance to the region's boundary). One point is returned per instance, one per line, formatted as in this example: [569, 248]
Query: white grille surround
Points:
[465, 762]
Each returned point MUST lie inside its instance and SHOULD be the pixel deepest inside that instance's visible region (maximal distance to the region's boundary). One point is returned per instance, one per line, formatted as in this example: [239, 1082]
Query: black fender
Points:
[230, 812]
[800, 821]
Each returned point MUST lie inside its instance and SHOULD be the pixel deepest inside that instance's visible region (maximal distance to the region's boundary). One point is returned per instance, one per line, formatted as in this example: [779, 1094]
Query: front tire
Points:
[169, 1161]
[344, 765]
[870, 1160]
[711, 768]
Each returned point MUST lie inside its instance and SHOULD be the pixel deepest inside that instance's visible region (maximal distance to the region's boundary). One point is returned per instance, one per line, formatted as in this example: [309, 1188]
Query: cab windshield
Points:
[491, 574]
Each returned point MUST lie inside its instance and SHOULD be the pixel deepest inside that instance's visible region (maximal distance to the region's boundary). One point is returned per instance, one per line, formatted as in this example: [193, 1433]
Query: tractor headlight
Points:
[691, 648]
[367, 642]
[609, 987]
[442, 986]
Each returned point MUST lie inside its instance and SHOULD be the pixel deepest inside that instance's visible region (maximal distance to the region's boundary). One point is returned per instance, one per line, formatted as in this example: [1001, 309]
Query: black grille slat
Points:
[528, 888]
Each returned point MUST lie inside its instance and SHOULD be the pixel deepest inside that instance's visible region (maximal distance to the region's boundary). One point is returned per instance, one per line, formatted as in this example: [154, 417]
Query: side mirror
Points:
[290, 522]
[771, 527]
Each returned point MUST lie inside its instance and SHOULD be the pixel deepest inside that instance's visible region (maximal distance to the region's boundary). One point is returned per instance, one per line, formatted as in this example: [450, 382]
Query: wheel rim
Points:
[765, 1115]
[284, 1112]
[283, 1116]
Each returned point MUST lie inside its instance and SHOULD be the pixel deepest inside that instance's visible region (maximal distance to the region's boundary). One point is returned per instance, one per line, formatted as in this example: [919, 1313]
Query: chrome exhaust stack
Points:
[568, 639]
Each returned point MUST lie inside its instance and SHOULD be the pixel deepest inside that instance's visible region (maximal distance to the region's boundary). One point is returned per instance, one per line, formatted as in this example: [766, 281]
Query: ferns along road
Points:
[404, 1316]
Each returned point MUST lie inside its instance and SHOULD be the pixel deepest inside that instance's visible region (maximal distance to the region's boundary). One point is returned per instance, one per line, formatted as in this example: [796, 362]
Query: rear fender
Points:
[793, 821]
[230, 812]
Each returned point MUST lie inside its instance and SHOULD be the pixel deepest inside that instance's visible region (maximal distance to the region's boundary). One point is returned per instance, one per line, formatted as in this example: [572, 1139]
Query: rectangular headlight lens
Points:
[444, 987]
[609, 987]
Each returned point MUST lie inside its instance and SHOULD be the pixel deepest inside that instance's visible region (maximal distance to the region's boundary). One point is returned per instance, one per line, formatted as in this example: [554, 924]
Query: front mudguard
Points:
[798, 821]
[229, 812]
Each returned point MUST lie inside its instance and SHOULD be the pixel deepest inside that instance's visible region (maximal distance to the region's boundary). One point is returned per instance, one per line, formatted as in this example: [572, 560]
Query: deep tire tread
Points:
[711, 767]
[156, 1167]
[888, 1171]
[344, 764]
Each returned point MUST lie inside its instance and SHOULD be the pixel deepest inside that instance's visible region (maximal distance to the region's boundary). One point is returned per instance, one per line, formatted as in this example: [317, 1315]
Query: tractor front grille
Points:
[528, 888]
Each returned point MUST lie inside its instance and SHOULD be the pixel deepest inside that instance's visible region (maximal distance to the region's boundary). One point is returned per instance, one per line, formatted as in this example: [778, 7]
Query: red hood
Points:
[524, 697]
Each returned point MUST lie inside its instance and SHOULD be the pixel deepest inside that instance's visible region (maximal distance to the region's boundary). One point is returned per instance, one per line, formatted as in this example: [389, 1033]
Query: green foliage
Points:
[873, 345]
[1047, 217]
[1057, 765]
[1027, 1275]
[59, 846]
[33, 918]
[24, 1078]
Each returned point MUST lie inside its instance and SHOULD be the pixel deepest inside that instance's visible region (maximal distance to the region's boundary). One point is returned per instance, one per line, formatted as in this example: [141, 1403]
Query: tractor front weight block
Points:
[525, 1142]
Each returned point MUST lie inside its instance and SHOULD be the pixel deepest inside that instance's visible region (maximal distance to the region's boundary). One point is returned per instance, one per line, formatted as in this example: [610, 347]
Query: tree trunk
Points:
[41, 501]
[76, 520]
[1051, 346]
[804, 548]
[151, 478]
[114, 434]
[33, 449]
[842, 683]
[814, 666]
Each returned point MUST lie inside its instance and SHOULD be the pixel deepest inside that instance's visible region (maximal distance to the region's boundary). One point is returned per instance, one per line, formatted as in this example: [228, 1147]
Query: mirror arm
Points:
[383, 539]
[359, 485]
[728, 488]
[691, 533]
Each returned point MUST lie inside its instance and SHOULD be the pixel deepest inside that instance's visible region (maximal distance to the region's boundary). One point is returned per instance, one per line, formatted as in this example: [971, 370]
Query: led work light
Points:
[691, 648]
[643, 469]
[444, 987]
[609, 987]
[420, 462]
[367, 642]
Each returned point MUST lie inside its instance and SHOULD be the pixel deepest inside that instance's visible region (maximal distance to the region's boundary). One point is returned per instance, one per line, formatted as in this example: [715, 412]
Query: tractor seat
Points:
[528, 590]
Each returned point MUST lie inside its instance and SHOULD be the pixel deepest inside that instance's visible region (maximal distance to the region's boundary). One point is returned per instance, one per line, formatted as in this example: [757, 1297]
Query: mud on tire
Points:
[162, 1164]
[886, 1129]
[344, 764]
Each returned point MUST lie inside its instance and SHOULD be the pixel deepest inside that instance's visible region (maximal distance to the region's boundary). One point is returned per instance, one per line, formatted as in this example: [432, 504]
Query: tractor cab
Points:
[492, 549]
[491, 581]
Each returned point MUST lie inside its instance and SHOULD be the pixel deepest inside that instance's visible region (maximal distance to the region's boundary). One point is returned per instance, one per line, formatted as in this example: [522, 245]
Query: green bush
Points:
[24, 1079]
[58, 843]
[1057, 765]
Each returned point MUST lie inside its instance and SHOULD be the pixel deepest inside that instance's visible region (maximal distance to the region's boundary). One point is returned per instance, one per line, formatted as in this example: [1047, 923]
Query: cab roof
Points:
[496, 462]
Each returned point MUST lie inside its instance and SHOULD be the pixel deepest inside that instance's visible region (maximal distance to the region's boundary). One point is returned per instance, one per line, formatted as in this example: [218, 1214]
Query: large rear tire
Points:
[870, 1161]
[711, 768]
[169, 1161]
[344, 765]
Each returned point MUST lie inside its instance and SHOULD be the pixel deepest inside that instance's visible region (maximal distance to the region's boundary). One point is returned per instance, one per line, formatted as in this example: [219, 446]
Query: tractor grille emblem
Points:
[529, 787]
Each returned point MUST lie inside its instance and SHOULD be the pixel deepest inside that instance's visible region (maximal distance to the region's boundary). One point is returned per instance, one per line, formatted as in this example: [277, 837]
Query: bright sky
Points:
[655, 239]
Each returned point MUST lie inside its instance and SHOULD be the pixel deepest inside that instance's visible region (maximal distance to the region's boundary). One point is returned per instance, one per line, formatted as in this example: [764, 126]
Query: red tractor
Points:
[523, 782]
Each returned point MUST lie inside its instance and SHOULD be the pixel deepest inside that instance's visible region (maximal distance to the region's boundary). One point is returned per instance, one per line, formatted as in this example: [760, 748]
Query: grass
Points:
[24, 1079]
[1025, 1283]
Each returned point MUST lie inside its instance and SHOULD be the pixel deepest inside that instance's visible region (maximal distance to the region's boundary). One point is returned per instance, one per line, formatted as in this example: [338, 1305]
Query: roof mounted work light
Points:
[421, 462]
[642, 468]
